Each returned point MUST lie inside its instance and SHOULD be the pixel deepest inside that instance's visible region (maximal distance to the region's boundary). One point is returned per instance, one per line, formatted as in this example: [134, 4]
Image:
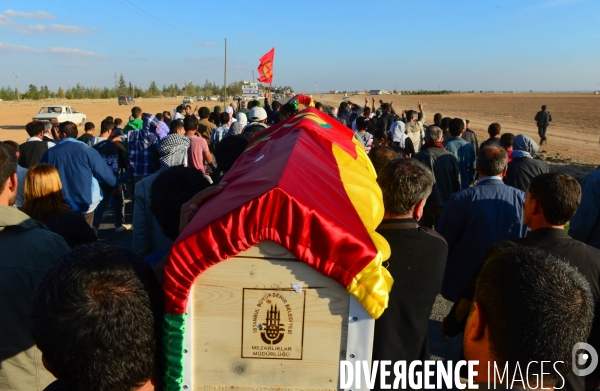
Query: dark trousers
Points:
[101, 208]
[542, 133]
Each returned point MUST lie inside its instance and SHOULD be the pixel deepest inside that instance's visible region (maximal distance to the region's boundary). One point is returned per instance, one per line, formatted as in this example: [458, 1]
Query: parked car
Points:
[126, 100]
[214, 98]
[199, 98]
[61, 113]
[188, 100]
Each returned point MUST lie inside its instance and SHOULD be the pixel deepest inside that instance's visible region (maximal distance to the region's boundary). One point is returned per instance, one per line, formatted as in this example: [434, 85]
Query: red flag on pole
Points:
[265, 69]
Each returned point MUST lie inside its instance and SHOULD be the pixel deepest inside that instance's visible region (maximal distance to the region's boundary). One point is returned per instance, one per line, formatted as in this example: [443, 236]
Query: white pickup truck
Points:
[61, 113]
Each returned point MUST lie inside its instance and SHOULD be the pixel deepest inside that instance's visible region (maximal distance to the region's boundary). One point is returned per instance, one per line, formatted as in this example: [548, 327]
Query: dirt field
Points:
[573, 137]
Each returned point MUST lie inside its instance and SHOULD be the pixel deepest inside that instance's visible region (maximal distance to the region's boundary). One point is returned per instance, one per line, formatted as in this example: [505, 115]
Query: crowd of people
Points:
[482, 224]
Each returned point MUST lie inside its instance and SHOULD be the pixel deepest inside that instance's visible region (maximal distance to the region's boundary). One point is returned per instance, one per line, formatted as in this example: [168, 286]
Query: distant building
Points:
[376, 92]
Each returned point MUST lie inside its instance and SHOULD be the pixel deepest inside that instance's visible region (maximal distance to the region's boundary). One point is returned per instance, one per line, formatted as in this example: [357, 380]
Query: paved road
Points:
[440, 349]
[106, 232]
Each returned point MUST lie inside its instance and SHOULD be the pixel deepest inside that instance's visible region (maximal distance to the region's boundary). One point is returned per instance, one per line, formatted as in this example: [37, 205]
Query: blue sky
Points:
[546, 45]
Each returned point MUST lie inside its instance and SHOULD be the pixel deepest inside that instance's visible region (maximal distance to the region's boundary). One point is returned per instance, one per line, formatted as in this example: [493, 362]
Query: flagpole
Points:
[225, 76]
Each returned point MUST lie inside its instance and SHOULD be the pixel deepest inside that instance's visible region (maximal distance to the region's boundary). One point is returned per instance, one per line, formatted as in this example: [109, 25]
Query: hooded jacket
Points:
[28, 249]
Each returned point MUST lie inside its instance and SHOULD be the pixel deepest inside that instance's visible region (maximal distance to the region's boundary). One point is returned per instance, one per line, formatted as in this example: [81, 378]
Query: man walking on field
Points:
[543, 119]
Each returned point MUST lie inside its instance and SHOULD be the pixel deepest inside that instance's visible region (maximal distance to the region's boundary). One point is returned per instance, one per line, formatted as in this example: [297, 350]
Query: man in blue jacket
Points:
[80, 168]
[463, 150]
[476, 217]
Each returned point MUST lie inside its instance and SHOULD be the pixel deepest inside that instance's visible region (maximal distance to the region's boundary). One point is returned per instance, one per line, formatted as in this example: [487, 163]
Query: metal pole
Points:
[225, 76]
[17, 85]
[253, 76]
[317, 87]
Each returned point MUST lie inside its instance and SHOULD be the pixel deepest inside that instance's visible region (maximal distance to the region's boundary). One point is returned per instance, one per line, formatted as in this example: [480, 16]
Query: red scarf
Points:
[430, 143]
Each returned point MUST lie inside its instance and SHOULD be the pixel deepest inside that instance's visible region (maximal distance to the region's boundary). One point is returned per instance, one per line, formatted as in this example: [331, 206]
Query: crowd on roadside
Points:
[481, 223]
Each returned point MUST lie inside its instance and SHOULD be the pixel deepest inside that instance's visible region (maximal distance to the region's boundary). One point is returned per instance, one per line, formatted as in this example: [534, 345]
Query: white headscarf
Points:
[238, 126]
[398, 130]
[243, 118]
[229, 110]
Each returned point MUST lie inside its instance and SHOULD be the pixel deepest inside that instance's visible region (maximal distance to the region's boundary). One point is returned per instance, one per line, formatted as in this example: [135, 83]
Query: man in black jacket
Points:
[32, 150]
[543, 119]
[471, 137]
[387, 118]
[446, 174]
[417, 263]
[551, 201]
[494, 140]
[258, 122]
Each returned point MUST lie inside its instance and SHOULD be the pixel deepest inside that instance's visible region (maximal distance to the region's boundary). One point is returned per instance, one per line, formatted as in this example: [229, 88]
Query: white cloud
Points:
[53, 51]
[4, 21]
[54, 28]
[7, 47]
[74, 52]
[29, 15]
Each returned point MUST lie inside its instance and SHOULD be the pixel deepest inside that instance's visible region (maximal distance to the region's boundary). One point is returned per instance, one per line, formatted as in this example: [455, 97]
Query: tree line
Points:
[123, 88]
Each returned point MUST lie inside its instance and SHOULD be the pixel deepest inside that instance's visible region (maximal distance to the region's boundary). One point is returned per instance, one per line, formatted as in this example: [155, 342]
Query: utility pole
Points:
[225, 76]
[317, 87]
[17, 84]
[253, 76]
[116, 80]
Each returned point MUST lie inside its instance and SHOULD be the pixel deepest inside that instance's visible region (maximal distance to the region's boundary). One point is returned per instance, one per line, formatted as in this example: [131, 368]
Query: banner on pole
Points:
[265, 69]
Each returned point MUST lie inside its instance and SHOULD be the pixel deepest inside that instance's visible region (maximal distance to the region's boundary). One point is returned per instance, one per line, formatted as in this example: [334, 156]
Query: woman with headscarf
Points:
[523, 167]
[401, 139]
[229, 110]
[238, 126]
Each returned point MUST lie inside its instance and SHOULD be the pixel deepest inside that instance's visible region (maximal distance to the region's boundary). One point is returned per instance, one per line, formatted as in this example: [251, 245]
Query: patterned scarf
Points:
[173, 150]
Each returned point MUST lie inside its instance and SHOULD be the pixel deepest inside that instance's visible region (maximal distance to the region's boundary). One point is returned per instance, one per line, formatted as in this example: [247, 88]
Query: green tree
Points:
[61, 93]
[153, 90]
[235, 88]
[32, 92]
[122, 88]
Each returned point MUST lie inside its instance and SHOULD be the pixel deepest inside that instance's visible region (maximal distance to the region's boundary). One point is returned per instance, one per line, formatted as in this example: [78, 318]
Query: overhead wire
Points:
[147, 14]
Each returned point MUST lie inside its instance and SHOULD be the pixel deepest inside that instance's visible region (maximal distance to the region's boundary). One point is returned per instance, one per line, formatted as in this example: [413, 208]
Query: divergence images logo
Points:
[273, 330]
[579, 359]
